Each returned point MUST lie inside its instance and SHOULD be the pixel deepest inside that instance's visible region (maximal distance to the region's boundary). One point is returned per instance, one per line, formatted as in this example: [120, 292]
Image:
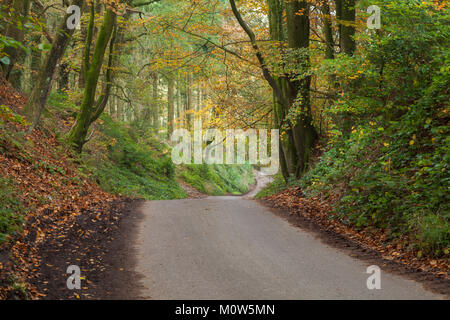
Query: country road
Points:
[235, 248]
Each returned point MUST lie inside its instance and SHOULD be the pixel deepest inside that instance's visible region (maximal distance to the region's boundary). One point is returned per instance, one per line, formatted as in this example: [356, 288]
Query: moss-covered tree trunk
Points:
[88, 35]
[109, 79]
[88, 108]
[39, 95]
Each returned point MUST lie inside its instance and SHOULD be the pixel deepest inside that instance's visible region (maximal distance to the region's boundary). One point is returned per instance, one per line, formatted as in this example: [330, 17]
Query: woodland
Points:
[360, 98]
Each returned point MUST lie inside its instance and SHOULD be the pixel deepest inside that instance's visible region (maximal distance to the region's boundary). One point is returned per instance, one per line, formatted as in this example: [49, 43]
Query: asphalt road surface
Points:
[234, 248]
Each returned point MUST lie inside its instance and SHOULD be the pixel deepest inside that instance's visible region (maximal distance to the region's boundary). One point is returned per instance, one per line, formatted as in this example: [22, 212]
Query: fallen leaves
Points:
[57, 195]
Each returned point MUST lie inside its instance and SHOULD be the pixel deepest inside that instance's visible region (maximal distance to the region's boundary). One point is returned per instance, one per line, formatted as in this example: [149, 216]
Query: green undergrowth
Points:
[131, 163]
[11, 207]
[218, 179]
[11, 210]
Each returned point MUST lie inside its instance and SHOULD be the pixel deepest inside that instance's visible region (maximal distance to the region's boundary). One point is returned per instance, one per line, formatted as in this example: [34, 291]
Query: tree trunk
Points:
[87, 37]
[16, 55]
[103, 99]
[327, 30]
[189, 111]
[345, 13]
[179, 104]
[170, 105]
[36, 55]
[348, 29]
[119, 107]
[39, 95]
[155, 110]
[305, 135]
[288, 159]
[197, 106]
[89, 111]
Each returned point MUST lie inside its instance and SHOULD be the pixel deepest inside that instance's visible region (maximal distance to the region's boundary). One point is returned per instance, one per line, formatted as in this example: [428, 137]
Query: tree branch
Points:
[141, 4]
[266, 72]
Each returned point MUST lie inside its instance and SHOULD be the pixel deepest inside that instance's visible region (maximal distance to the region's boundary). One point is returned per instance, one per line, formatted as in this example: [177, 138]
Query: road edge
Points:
[356, 250]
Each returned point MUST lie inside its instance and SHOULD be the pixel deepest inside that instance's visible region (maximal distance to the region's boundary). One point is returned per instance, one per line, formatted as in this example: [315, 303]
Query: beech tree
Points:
[41, 89]
[289, 90]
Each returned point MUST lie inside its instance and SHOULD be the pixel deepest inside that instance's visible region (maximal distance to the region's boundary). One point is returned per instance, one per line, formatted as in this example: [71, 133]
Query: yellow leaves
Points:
[113, 142]
[143, 21]
[300, 12]
[40, 235]
[412, 142]
[440, 6]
